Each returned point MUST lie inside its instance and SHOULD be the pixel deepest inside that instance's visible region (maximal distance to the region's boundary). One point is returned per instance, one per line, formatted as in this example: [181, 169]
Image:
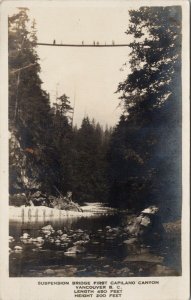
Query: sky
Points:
[88, 76]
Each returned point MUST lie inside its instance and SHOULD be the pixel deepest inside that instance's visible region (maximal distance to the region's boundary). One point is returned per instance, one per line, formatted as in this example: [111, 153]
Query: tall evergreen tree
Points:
[29, 109]
[63, 140]
[146, 155]
[89, 180]
[28, 103]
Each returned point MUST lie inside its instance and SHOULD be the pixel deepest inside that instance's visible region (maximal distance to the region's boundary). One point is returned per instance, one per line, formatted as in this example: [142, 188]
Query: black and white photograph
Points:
[95, 114]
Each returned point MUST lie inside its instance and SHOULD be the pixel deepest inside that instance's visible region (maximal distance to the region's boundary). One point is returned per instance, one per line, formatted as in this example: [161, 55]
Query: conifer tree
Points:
[28, 103]
[29, 109]
[146, 146]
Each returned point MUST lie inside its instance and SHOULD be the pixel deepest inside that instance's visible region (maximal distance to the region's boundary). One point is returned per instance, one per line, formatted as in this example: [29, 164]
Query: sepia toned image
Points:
[95, 141]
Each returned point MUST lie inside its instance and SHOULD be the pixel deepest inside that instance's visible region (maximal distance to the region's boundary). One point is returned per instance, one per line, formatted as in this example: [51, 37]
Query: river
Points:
[105, 253]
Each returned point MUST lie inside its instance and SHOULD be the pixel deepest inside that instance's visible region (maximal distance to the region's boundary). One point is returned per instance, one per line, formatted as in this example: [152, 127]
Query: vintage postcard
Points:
[94, 150]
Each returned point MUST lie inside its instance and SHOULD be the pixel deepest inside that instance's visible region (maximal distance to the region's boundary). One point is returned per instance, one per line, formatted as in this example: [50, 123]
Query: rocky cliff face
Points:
[23, 170]
[24, 179]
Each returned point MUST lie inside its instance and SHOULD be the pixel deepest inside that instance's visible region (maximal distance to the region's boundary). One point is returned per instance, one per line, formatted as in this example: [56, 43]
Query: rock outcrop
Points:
[25, 182]
[24, 173]
[147, 225]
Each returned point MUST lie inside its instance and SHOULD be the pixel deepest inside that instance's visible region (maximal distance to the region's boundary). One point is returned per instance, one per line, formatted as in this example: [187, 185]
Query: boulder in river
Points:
[151, 210]
[76, 250]
[108, 227]
[79, 231]
[80, 242]
[11, 239]
[47, 230]
[49, 272]
[64, 237]
[133, 229]
[40, 240]
[67, 271]
[130, 241]
[57, 241]
[147, 225]
[18, 248]
[59, 232]
[123, 271]
[24, 236]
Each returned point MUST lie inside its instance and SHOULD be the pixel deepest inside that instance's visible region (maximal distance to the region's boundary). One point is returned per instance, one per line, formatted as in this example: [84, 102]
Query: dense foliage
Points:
[29, 110]
[145, 154]
[89, 169]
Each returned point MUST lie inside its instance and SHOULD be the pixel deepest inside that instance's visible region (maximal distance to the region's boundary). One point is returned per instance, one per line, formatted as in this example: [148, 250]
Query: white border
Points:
[170, 288]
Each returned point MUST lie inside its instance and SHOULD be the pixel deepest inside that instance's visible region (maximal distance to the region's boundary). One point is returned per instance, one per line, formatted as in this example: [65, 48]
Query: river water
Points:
[105, 253]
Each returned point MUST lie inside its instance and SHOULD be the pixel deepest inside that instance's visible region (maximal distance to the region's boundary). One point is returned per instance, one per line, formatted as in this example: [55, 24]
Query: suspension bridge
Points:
[83, 45]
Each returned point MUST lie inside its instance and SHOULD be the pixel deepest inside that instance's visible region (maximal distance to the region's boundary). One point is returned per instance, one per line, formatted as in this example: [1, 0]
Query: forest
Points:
[132, 165]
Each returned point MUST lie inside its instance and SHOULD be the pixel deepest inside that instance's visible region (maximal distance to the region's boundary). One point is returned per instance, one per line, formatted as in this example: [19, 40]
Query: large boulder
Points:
[147, 225]
[47, 230]
[77, 249]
